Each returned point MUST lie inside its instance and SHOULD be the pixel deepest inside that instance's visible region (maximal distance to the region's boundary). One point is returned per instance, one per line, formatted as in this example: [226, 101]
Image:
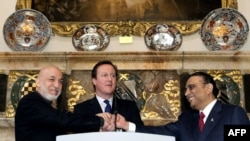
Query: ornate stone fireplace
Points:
[174, 64]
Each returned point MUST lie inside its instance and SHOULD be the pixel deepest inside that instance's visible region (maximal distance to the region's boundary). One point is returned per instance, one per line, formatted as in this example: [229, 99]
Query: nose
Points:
[58, 84]
[110, 77]
[186, 91]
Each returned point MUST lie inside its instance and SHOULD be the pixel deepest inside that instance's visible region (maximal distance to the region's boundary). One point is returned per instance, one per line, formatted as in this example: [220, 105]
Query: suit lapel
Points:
[195, 126]
[211, 121]
[95, 106]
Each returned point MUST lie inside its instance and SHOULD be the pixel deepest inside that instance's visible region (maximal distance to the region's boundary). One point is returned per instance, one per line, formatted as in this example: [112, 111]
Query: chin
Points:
[51, 97]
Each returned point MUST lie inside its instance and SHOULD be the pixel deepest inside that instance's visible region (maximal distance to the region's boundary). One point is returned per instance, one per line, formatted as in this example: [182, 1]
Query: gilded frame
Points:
[124, 27]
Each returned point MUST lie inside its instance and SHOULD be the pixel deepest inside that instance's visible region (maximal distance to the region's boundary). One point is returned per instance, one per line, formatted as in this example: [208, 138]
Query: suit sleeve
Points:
[36, 112]
[239, 116]
[167, 129]
[134, 114]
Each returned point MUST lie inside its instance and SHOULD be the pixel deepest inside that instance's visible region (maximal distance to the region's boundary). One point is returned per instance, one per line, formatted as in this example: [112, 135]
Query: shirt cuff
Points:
[131, 127]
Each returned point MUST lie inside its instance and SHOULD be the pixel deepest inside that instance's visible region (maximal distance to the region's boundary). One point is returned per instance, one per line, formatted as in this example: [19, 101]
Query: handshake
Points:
[113, 122]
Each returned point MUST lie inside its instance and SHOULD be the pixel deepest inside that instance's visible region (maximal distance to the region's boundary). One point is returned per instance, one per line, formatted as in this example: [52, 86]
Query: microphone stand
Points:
[115, 112]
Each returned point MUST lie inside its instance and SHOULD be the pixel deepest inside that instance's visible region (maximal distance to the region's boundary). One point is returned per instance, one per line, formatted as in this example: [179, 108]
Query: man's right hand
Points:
[122, 123]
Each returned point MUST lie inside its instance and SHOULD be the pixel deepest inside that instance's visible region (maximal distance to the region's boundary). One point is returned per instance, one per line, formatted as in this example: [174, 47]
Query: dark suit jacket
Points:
[186, 128]
[126, 108]
[37, 120]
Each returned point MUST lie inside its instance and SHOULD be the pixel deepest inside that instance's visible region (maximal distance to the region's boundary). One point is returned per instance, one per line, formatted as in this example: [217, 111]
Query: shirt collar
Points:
[100, 100]
[208, 109]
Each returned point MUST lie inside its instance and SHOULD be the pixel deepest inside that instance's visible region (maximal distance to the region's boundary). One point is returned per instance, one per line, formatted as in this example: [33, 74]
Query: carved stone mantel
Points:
[216, 60]
[68, 61]
[171, 60]
[181, 61]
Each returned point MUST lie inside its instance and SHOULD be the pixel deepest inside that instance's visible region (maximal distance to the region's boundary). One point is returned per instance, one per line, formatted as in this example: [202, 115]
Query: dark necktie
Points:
[108, 107]
[201, 122]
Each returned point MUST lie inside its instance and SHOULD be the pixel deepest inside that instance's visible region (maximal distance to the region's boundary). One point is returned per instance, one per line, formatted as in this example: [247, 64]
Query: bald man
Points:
[37, 120]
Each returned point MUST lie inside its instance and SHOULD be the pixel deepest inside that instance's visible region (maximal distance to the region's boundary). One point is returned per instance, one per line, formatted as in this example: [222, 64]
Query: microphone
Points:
[115, 111]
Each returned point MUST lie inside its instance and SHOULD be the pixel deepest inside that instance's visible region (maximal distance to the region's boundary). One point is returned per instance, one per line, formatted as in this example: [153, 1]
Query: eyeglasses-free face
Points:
[197, 92]
[105, 81]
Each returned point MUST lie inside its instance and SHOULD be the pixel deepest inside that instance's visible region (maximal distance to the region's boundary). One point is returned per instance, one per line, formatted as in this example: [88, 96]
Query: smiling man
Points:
[37, 120]
[201, 93]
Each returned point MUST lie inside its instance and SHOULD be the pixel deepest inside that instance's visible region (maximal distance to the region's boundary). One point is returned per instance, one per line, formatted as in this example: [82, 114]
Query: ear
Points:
[210, 87]
[94, 81]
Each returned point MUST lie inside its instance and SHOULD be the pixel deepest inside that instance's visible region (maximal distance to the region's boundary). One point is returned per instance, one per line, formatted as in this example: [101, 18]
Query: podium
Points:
[114, 136]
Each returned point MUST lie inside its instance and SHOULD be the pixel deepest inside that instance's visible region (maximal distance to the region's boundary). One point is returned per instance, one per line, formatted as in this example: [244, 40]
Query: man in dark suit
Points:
[201, 93]
[104, 79]
[37, 120]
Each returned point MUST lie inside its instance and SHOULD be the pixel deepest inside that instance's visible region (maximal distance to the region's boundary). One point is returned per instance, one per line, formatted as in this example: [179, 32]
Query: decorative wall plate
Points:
[163, 37]
[90, 38]
[27, 30]
[224, 29]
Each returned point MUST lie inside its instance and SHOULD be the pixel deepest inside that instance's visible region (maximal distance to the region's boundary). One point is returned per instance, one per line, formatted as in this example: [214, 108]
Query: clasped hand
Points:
[111, 121]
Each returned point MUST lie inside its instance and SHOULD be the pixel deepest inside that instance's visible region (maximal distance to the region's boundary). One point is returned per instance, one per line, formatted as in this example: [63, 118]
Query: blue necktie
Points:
[108, 107]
